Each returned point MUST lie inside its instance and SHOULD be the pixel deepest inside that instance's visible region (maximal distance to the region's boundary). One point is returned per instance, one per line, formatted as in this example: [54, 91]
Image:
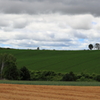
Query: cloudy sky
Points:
[49, 24]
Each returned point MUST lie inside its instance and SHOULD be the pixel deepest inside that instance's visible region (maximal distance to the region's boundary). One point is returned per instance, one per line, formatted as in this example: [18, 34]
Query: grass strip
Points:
[51, 83]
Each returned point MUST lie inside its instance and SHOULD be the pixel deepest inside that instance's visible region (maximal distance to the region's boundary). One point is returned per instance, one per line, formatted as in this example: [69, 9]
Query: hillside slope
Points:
[59, 61]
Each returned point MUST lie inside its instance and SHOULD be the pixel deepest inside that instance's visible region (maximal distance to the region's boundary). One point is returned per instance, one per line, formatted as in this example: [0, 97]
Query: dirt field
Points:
[41, 92]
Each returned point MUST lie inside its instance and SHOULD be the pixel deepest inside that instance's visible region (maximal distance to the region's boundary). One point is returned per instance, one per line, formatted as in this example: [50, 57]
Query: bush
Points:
[69, 77]
[35, 75]
[97, 78]
[24, 73]
[46, 76]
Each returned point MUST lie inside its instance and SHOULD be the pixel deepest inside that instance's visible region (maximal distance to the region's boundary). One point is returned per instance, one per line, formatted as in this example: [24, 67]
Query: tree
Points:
[11, 72]
[97, 45]
[90, 46]
[25, 73]
[4, 59]
[38, 48]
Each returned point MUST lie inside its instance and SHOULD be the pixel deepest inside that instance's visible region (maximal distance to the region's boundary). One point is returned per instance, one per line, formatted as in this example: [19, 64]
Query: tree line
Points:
[10, 71]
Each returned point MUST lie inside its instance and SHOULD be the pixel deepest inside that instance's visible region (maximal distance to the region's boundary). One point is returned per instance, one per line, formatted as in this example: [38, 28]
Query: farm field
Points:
[85, 61]
[44, 92]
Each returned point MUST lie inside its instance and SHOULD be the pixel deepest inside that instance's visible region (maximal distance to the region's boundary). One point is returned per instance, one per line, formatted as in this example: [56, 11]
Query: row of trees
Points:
[96, 46]
[9, 70]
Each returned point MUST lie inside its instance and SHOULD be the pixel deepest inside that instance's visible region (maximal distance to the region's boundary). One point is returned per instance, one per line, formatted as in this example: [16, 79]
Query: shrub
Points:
[69, 77]
[97, 78]
[46, 76]
[24, 73]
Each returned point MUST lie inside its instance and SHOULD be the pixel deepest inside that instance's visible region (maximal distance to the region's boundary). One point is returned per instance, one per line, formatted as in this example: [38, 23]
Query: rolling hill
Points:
[58, 61]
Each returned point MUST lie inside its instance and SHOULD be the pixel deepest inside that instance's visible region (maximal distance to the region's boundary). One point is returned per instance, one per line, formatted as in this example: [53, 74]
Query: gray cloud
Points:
[47, 6]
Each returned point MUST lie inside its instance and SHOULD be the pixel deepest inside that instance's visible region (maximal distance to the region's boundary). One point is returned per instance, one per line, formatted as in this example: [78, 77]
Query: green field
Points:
[51, 83]
[59, 61]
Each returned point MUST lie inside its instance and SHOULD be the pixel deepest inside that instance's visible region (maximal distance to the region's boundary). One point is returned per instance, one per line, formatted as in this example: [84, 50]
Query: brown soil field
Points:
[43, 92]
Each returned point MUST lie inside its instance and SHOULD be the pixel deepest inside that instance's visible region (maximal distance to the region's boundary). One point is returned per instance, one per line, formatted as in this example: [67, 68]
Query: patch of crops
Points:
[59, 61]
[45, 92]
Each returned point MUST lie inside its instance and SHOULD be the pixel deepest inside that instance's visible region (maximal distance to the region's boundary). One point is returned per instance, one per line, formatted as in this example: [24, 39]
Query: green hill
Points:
[58, 61]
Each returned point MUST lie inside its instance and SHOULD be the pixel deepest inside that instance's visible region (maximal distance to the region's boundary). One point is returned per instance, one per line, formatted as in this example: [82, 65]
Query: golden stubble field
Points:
[43, 92]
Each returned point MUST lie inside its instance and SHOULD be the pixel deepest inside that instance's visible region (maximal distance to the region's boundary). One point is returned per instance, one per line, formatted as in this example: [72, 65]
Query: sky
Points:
[49, 24]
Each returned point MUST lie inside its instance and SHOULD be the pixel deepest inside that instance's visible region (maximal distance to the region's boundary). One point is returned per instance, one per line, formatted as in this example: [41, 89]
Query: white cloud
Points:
[49, 31]
[81, 21]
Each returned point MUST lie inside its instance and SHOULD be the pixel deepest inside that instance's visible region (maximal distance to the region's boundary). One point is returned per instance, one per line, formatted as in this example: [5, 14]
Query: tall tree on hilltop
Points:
[97, 45]
[90, 46]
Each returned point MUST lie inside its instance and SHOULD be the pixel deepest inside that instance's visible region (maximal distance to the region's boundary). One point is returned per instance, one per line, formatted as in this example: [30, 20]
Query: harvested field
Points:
[42, 92]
